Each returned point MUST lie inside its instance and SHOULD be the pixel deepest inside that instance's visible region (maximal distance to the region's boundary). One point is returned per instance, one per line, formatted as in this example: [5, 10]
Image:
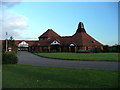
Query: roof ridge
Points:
[50, 33]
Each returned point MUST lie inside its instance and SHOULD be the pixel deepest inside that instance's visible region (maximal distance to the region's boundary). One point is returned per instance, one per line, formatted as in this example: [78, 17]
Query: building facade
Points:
[50, 41]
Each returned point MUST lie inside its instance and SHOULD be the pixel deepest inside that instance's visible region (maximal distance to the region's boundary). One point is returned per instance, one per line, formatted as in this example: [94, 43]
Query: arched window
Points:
[72, 44]
[55, 42]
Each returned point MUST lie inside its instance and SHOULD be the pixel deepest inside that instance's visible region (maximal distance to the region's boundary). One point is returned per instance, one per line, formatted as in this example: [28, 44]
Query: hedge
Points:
[83, 51]
[9, 58]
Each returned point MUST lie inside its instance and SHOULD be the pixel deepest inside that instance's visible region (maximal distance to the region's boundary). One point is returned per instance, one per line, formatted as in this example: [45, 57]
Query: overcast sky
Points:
[28, 20]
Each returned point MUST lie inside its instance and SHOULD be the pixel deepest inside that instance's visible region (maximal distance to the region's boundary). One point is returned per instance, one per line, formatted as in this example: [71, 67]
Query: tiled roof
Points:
[80, 38]
[49, 33]
[30, 42]
[85, 39]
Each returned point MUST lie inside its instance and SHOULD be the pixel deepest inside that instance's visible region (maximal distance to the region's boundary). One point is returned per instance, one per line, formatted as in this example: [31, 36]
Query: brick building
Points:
[50, 41]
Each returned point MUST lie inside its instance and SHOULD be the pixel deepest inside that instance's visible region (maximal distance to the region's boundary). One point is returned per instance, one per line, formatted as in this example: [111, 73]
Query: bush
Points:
[9, 58]
[11, 52]
[96, 50]
[83, 51]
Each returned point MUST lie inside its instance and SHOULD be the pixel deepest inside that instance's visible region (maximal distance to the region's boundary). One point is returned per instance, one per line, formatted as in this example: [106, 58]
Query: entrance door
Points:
[55, 48]
[72, 49]
[23, 46]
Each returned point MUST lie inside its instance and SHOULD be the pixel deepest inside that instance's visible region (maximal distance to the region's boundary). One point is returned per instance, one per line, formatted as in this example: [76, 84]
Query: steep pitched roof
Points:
[66, 40]
[84, 39]
[80, 38]
[44, 42]
[49, 33]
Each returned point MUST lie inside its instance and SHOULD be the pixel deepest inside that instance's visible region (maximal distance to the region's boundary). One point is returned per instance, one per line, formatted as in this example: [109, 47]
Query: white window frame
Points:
[72, 44]
[55, 42]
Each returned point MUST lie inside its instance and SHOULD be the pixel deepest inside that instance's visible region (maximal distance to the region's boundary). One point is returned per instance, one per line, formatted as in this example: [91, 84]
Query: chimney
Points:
[80, 28]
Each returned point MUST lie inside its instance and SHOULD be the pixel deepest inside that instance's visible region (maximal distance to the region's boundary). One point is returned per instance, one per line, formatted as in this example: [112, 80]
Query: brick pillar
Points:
[49, 48]
[69, 49]
[102, 47]
[75, 48]
[59, 49]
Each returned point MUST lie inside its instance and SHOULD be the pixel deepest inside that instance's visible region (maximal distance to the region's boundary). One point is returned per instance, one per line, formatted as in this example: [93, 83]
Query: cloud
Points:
[8, 4]
[14, 24]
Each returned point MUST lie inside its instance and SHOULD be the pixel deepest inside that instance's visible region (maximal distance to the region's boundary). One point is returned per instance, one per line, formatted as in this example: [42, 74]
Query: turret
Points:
[80, 28]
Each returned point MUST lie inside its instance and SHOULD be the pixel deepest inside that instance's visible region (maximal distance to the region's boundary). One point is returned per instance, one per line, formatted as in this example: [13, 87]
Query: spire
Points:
[80, 25]
[80, 28]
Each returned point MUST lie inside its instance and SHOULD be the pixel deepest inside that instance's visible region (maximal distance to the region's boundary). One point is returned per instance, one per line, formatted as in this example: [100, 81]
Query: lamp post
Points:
[6, 42]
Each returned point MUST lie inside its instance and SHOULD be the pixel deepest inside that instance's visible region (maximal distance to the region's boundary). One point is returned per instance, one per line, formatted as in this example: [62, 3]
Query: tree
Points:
[11, 43]
[3, 46]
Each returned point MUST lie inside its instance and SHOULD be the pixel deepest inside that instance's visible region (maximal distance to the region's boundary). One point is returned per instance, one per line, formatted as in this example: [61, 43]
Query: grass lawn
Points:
[26, 76]
[82, 56]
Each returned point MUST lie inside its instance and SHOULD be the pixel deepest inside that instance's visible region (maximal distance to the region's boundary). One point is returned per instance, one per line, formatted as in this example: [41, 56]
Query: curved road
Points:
[31, 59]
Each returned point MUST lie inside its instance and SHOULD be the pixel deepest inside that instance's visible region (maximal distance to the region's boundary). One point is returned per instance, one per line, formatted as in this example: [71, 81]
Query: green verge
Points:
[82, 56]
[26, 76]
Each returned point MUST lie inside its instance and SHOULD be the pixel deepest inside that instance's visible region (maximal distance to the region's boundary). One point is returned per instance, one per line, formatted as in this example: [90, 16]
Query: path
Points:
[31, 59]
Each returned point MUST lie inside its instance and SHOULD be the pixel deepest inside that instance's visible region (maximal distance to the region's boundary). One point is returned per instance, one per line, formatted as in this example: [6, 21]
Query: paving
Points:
[28, 58]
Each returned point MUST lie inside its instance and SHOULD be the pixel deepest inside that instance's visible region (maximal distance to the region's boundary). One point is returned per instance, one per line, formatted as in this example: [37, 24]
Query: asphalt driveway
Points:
[31, 59]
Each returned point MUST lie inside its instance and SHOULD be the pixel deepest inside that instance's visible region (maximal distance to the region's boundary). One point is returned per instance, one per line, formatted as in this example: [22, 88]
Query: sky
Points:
[28, 20]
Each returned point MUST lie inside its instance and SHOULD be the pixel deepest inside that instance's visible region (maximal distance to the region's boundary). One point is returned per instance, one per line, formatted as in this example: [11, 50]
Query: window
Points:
[93, 41]
[55, 43]
[72, 45]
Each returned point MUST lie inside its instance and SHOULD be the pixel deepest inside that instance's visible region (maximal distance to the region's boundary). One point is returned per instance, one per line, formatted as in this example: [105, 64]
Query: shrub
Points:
[9, 58]
[11, 52]
[96, 50]
[83, 51]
